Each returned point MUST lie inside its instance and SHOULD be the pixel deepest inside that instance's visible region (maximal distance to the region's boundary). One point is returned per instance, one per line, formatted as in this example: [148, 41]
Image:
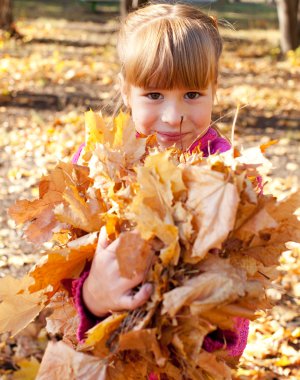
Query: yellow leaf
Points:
[28, 370]
[18, 307]
[152, 211]
[167, 171]
[94, 127]
[98, 335]
[283, 361]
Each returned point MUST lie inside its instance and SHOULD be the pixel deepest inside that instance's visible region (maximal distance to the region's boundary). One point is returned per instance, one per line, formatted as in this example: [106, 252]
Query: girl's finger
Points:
[130, 302]
[103, 241]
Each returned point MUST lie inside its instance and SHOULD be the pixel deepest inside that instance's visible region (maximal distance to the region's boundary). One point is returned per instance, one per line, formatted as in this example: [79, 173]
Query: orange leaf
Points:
[63, 263]
[133, 253]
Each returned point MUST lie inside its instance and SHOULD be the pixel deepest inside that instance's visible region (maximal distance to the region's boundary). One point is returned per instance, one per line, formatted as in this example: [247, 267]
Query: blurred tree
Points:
[6, 15]
[289, 24]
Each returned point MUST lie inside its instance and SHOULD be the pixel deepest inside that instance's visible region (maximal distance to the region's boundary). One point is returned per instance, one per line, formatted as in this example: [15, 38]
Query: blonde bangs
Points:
[170, 53]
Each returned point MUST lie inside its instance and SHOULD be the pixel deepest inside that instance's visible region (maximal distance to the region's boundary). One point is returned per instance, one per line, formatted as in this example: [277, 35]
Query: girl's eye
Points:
[192, 95]
[154, 95]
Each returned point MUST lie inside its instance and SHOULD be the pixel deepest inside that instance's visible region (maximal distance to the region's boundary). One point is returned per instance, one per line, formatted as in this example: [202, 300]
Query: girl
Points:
[169, 72]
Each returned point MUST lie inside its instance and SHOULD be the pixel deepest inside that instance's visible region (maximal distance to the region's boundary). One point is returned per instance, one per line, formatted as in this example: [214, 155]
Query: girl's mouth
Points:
[167, 136]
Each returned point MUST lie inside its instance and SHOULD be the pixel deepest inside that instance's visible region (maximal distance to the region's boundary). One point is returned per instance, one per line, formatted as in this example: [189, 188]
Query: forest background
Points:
[63, 62]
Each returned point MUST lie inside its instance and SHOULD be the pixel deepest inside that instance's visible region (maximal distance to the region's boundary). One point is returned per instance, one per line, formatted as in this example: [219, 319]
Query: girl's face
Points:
[176, 116]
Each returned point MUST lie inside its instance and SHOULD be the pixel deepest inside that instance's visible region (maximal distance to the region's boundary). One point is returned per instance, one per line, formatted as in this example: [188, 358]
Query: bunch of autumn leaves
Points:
[208, 241]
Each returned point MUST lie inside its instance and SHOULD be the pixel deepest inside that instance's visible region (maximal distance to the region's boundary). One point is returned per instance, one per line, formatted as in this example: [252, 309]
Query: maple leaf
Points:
[133, 253]
[98, 336]
[270, 242]
[116, 143]
[18, 307]
[39, 214]
[152, 211]
[63, 263]
[188, 337]
[143, 340]
[213, 201]
[76, 211]
[61, 361]
[166, 170]
[94, 133]
[64, 318]
[217, 369]
[217, 284]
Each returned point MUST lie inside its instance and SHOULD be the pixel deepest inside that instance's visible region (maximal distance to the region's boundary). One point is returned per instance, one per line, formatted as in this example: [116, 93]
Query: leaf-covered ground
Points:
[61, 68]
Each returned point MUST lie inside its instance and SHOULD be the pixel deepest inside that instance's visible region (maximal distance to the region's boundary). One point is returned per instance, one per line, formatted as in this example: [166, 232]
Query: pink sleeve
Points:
[234, 341]
[87, 320]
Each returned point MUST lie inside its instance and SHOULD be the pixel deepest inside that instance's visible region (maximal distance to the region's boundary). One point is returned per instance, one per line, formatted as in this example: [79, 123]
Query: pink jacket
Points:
[236, 340]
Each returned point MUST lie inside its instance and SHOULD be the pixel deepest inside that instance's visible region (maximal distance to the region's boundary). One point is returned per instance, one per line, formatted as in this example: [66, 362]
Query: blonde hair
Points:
[169, 46]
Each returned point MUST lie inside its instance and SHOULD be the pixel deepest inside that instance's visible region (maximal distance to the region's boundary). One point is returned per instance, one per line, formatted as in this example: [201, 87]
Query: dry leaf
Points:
[133, 253]
[60, 361]
[214, 207]
[142, 340]
[19, 307]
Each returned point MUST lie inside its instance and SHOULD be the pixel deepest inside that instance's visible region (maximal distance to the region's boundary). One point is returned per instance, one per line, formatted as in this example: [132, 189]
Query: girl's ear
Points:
[124, 90]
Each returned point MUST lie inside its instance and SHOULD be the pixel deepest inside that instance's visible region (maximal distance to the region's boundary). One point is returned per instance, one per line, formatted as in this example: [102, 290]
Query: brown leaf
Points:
[133, 253]
[64, 319]
[217, 369]
[142, 340]
[188, 337]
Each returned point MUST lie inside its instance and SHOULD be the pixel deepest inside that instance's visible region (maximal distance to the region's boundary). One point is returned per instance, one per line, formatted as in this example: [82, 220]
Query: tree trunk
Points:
[6, 15]
[289, 24]
[129, 5]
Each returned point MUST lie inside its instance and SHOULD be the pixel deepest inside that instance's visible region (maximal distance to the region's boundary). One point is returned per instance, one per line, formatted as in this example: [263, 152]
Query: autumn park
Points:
[58, 60]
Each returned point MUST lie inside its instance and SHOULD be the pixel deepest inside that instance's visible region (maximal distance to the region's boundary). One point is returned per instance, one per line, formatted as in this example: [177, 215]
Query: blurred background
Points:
[58, 60]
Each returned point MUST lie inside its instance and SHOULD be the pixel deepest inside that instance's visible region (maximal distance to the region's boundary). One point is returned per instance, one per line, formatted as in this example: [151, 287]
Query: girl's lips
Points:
[166, 136]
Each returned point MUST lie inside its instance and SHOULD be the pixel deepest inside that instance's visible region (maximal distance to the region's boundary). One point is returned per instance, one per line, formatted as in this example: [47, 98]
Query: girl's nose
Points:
[172, 115]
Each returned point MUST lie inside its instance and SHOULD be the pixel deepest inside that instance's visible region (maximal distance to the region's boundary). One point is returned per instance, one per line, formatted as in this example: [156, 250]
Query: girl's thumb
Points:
[103, 241]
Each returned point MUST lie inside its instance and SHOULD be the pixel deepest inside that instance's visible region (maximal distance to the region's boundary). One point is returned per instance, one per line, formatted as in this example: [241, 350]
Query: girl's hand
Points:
[105, 290]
